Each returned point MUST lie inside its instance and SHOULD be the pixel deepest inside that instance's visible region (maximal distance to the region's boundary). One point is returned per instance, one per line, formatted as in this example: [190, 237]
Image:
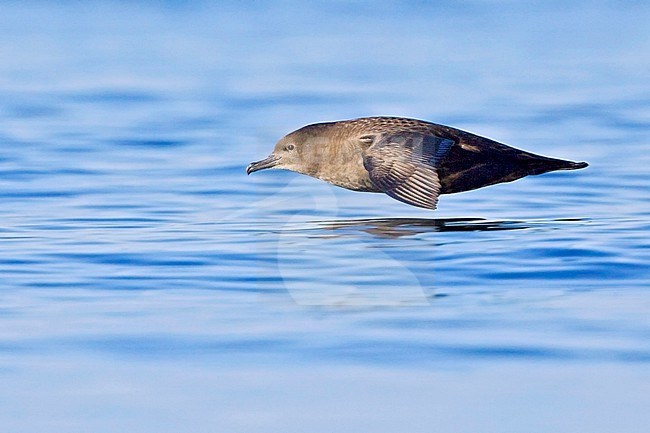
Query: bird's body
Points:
[410, 160]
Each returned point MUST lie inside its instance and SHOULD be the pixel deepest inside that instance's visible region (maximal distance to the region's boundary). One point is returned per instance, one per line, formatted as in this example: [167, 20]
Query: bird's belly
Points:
[353, 182]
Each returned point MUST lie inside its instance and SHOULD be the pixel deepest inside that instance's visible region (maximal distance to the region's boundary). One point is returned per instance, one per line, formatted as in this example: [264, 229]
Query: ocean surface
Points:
[148, 285]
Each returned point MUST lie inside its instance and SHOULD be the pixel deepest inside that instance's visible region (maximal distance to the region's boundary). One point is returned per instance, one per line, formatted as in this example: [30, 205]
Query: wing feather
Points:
[404, 166]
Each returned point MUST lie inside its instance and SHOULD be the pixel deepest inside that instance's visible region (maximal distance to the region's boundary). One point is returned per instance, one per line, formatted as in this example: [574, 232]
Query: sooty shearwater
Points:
[411, 160]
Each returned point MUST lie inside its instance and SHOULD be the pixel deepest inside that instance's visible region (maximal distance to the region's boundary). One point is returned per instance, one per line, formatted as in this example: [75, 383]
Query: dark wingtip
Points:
[545, 165]
[578, 165]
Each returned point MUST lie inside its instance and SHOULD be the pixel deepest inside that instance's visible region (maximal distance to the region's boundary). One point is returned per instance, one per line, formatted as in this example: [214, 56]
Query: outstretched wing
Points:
[403, 165]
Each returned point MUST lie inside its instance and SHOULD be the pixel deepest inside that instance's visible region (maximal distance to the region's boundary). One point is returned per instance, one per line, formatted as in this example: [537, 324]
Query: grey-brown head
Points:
[288, 154]
[300, 151]
[326, 151]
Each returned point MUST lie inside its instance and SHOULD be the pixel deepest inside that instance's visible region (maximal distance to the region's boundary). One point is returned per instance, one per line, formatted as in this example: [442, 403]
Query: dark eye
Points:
[289, 146]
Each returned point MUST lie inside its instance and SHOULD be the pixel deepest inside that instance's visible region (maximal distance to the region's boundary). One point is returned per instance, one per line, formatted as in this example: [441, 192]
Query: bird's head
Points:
[302, 151]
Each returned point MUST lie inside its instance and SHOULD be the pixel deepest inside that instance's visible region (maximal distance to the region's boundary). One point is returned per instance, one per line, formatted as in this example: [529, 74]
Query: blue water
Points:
[147, 284]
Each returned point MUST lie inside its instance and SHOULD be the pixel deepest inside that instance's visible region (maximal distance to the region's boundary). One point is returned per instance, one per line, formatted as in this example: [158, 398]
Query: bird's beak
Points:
[268, 162]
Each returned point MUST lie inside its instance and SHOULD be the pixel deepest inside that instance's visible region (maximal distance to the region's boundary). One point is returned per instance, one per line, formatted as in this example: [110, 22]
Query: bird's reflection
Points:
[399, 227]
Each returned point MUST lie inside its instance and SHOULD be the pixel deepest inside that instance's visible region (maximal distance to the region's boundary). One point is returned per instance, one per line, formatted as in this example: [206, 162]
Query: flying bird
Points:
[411, 160]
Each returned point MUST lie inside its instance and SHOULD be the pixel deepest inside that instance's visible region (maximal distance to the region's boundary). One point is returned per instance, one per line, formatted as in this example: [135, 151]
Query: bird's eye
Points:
[289, 146]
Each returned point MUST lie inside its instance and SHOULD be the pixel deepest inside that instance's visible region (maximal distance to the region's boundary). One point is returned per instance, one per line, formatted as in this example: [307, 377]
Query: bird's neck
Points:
[342, 166]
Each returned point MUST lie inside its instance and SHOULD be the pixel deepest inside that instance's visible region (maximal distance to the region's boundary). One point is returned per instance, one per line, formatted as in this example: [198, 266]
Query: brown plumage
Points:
[411, 160]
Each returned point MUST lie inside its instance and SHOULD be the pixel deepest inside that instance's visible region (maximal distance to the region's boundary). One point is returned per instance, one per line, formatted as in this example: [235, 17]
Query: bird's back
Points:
[472, 161]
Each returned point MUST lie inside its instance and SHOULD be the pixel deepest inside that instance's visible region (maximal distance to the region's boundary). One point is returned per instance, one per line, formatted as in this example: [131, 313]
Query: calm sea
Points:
[148, 285]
